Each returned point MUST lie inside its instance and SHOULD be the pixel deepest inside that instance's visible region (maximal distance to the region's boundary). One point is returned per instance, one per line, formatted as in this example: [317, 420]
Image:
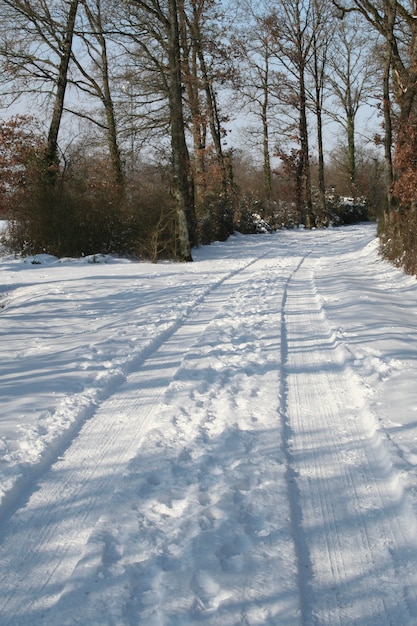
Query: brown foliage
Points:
[81, 211]
[214, 198]
[398, 231]
[405, 165]
[21, 145]
[398, 240]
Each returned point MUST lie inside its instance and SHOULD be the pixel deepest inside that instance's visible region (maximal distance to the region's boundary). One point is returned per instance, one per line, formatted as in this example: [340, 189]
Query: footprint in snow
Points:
[208, 593]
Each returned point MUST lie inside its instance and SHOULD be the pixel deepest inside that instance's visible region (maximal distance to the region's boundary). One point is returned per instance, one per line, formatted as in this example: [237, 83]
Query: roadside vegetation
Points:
[151, 127]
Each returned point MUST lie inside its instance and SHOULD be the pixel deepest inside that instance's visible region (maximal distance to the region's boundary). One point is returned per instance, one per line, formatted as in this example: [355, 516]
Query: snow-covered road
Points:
[356, 531]
[229, 442]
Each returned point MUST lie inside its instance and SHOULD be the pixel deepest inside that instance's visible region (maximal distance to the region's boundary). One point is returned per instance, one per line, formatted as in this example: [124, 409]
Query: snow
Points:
[227, 442]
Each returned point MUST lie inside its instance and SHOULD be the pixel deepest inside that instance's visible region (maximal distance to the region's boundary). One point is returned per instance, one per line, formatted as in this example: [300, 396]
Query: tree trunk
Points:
[350, 128]
[305, 157]
[51, 153]
[318, 76]
[213, 114]
[211, 101]
[322, 183]
[223, 218]
[198, 121]
[180, 156]
[265, 132]
[266, 155]
[388, 136]
[302, 103]
[112, 140]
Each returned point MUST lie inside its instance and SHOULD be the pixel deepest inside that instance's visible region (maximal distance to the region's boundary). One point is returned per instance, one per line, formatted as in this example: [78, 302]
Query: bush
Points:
[80, 211]
[398, 239]
[21, 146]
[66, 214]
[345, 211]
[249, 205]
[215, 216]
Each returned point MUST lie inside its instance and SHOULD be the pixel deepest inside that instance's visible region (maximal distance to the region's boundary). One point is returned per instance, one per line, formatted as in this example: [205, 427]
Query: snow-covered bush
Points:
[343, 210]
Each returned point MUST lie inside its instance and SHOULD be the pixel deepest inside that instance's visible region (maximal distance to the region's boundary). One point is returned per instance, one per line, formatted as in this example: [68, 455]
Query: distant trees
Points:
[258, 81]
[396, 24]
[293, 30]
[352, 80]
[138, 99]
[95, 78]
[204, 62]
[322, 39]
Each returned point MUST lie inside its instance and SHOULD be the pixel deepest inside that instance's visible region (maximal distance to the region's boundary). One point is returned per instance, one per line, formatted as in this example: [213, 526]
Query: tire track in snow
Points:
[43, 540]
[355, 534]
[92, 398]
[294, 496]
[210, 475]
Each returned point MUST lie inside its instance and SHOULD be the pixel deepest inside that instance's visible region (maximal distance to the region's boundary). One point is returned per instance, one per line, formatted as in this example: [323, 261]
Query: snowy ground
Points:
[228, 442]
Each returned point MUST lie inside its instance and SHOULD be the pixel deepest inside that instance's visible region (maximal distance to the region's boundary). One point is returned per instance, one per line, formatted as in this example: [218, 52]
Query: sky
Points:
[231, 441]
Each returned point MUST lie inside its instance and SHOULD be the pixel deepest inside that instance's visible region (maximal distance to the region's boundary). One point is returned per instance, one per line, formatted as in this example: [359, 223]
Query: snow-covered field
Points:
[227, 442]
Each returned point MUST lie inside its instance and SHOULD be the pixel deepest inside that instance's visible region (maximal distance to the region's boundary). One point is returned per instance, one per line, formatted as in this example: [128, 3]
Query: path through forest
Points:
[234, 461]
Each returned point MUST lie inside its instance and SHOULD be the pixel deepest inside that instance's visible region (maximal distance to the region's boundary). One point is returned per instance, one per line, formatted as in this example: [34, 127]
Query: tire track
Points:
[294, 495]
[355, 540]
[216, 452]
[85, 409]
[42, 542]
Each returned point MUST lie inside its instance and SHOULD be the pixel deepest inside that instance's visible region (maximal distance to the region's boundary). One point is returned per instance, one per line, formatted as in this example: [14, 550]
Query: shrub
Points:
[344, 210]
[80, 211]
[398, 239]
[21, 146]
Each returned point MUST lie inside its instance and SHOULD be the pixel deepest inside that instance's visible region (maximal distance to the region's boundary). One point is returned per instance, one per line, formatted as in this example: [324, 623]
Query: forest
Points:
[146, 128]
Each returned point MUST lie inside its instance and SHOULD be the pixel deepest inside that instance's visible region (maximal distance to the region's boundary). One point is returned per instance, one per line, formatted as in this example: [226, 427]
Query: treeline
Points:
[139, 100]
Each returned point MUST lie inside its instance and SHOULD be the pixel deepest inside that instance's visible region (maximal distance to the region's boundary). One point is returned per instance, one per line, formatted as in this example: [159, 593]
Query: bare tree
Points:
[94, 78]
[202, 65]
[258, 79]
[321, 35]
[388, 129]
[180, 155]
[39, 55]
[61, 83]
[160, 26]
[291, 26]
[351, 79]
[36, 50]
[396, 23]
